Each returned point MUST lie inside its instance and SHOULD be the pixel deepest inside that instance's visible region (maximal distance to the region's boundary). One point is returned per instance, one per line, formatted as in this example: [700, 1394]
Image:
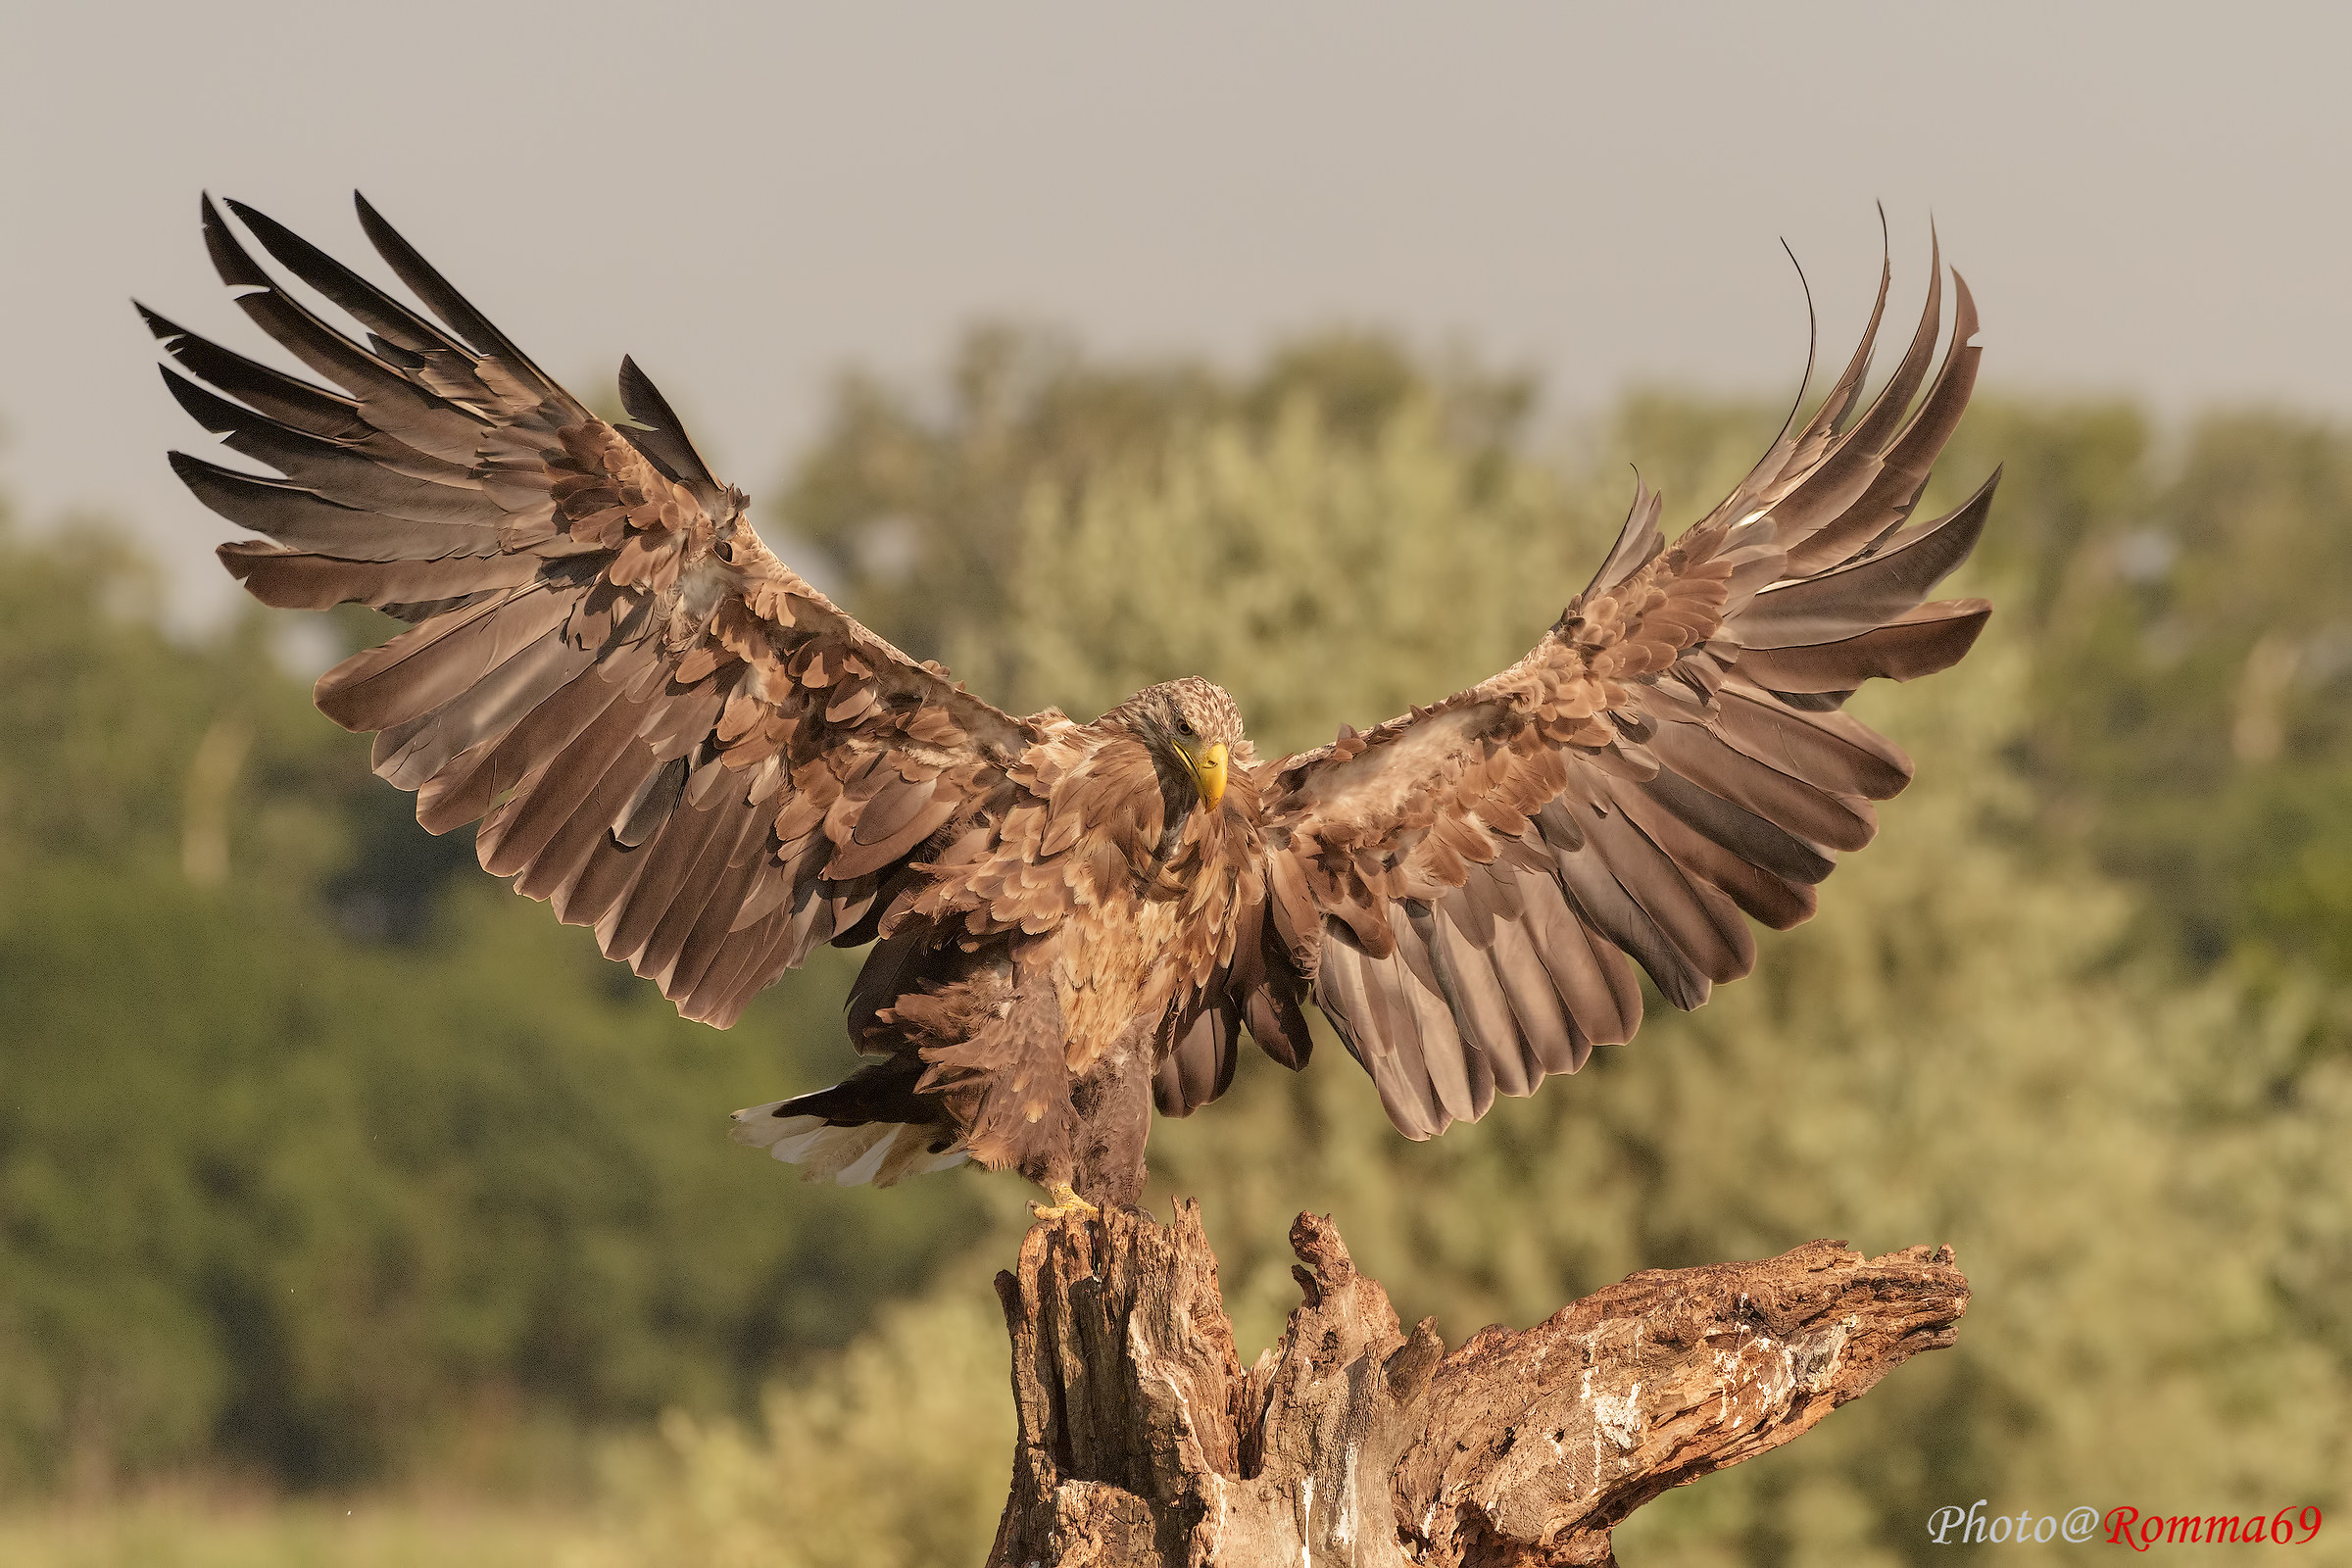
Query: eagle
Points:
[670, 736]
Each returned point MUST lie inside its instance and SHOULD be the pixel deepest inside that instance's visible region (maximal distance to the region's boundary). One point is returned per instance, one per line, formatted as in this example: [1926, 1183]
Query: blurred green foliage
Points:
[319, 1156]
[280, 1191]
[895, 1455]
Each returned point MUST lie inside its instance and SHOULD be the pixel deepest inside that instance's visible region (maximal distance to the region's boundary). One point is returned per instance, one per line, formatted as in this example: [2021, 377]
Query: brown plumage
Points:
[671, 737]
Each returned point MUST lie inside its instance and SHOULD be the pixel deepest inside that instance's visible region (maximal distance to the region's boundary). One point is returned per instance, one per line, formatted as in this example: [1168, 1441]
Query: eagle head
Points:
[1193, 731]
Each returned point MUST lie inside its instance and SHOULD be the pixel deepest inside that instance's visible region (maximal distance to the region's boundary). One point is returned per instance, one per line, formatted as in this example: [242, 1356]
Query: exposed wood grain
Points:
[1352, 1442]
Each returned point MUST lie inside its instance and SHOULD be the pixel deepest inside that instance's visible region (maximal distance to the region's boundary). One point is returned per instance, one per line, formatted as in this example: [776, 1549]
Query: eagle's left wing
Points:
[1462, 886]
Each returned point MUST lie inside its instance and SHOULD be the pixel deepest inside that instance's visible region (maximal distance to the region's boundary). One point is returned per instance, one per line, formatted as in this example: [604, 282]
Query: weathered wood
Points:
[1144, 1442]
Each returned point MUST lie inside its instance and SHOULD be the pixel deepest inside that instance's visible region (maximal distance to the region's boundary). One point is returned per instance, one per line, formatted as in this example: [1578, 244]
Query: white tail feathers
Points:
[878, 1151]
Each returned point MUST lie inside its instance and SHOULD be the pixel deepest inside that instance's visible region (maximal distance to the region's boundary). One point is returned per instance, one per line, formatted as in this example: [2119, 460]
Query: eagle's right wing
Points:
[675, 739]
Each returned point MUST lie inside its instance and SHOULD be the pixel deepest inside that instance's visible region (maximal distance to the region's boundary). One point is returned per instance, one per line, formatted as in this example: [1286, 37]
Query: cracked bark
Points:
[1144, 1440]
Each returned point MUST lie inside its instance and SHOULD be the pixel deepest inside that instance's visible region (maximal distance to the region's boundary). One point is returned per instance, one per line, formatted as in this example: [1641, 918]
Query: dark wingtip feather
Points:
[299, 255]
[215, 413]
[453, 308]
[162, 327]
[229, 258]
[270, 232]
[1854, 406]
[1839, 406]
[207, 481]
[664, 439]
[1964, 311]
[405, 332]
[1637, 539]
[1938, 548]
[1812, 338]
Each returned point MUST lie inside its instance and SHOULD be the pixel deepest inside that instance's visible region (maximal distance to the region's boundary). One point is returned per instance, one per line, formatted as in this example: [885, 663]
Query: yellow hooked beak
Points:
[1209, 771]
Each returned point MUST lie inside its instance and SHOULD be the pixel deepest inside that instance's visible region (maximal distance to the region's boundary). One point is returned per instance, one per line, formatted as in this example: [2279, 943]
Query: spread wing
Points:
[1463, 885]
[673, 737]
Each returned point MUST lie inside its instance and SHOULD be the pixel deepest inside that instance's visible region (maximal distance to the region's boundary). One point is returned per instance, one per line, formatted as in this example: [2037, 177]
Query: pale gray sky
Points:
[2148, 198]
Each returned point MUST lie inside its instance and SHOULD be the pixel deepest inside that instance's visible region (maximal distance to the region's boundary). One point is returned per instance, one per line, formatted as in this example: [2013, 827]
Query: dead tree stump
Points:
[1144, 1442]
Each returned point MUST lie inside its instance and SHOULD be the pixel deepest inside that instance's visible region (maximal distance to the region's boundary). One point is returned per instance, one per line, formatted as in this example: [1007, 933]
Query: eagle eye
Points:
[1184, 726]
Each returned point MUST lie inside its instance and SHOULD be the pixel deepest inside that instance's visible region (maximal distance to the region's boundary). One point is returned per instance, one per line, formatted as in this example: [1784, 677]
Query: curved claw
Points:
[1066, 1202]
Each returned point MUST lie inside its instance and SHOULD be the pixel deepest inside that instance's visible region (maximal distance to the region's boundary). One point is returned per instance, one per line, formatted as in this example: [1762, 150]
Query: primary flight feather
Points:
[671, 737]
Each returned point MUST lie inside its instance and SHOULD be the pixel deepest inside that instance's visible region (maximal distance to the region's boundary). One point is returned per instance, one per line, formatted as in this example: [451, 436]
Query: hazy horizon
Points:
[754, 200]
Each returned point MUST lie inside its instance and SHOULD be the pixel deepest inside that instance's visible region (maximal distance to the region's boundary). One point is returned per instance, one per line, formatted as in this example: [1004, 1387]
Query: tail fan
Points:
[878, 1151]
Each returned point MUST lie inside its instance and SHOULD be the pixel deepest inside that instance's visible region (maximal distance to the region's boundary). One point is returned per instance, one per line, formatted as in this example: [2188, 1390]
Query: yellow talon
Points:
[1065, 1203]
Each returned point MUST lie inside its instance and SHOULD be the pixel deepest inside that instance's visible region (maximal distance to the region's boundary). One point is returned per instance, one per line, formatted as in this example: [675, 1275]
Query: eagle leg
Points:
[1066, 1202]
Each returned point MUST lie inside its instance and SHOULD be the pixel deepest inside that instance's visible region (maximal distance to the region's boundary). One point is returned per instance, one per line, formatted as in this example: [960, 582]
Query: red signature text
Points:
[2288, 1526]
